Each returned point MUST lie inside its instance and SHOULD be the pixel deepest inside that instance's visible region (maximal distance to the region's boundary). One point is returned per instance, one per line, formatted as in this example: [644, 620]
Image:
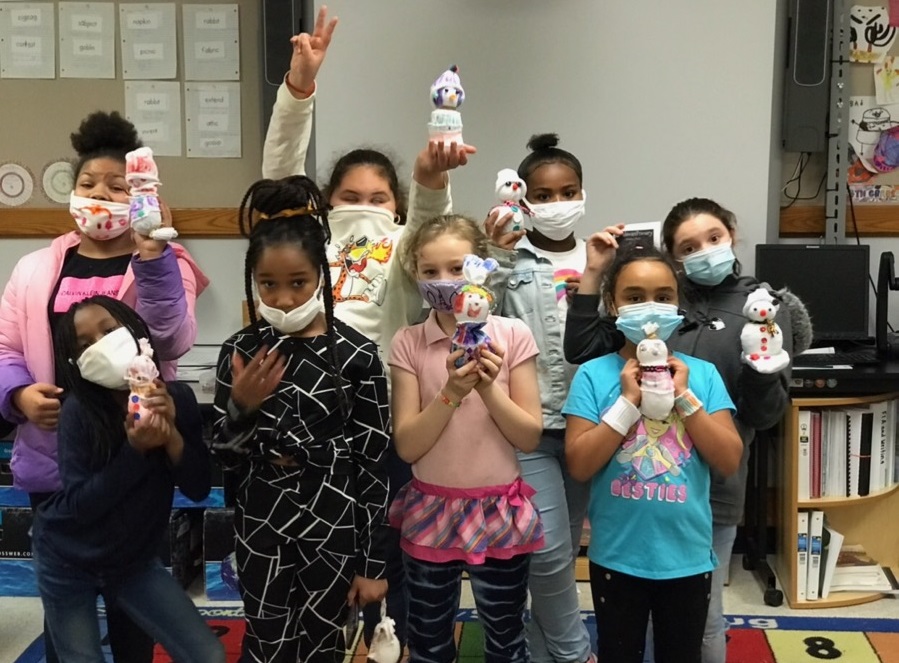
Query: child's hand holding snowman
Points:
[489, 365]
[460, 381]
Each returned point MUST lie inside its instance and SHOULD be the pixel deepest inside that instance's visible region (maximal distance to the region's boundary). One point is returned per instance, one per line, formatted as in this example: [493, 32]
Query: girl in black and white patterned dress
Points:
[302, 409]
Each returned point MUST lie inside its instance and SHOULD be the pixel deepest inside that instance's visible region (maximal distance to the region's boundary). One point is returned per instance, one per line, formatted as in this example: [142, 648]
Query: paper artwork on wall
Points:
[211, 43]
[871, 35]
[16, 184]
[27, 40]
[154, 107]
[148, 40]
[58, 181]
[886, 81]
[867, 121]
[86, 40]
[213, 119]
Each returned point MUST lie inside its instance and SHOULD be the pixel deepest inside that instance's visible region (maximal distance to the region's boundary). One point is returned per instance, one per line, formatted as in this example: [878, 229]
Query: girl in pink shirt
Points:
[466, 507]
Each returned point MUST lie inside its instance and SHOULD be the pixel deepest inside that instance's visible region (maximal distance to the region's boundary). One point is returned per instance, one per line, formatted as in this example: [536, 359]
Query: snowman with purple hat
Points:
[447, 96]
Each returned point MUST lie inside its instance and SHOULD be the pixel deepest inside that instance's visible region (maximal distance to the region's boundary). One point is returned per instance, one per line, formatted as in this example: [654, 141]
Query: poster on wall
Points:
[213, 119]
[148, 40]
[870, 34]
[211, 43]
[886, 80]
[27, 40]
[86, 40]
[154, 107]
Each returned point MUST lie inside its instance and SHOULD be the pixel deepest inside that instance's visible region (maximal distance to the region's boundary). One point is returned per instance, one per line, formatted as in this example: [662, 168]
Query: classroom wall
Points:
[661, 101]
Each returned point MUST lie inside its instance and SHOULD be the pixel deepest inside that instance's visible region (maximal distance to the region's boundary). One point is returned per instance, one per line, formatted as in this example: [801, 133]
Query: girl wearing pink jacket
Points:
[100, 257]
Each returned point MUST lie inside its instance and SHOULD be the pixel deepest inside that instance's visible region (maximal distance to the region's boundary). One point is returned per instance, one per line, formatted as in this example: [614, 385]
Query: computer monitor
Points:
[832, 281]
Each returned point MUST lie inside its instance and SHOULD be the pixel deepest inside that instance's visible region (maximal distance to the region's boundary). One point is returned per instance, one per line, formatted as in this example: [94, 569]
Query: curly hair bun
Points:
[101, 131]
[539, 142]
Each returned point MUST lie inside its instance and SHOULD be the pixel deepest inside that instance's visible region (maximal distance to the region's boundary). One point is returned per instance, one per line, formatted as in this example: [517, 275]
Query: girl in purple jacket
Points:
[101, 256]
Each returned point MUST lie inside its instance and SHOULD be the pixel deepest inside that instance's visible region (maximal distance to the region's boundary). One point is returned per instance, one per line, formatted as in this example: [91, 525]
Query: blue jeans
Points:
[500, 588]
[714, 639]
[556, 632]
[150, 596]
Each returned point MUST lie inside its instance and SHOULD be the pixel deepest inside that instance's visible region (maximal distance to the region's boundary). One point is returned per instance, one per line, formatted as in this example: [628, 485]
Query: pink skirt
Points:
[439, 524]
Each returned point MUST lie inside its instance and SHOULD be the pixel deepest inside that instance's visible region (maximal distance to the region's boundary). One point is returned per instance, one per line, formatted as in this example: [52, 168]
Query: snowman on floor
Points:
[762, 338]
[510, 191]
[656, 383]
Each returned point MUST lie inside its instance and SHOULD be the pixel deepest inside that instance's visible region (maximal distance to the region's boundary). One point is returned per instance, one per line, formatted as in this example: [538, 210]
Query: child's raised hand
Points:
[680, 374]
[309, 53]
[490, 364]
[254, 381]
[435, 159]
[630, 382]
[495, 229]
[460, 381]
[572, 284]
[152, 248]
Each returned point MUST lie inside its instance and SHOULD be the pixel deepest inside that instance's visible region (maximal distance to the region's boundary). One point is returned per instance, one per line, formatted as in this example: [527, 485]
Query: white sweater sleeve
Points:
[287, 138]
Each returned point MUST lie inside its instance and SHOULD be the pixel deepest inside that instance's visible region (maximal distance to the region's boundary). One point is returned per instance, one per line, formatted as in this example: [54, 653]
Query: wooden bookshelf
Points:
[869, 520]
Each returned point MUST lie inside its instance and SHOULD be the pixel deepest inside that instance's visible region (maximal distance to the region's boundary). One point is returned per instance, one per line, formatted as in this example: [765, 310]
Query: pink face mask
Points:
[99, 219]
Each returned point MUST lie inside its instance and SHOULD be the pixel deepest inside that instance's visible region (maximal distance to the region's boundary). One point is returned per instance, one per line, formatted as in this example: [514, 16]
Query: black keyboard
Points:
[863, 357]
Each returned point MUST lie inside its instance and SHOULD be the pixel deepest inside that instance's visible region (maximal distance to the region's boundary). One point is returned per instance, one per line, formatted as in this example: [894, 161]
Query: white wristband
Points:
[622, 415]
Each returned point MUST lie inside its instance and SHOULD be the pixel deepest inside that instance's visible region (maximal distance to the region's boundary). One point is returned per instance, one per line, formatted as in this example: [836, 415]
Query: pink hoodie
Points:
[163, 291]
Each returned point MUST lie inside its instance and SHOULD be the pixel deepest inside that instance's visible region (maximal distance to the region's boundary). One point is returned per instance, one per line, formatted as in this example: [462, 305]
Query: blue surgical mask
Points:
[632, 317]
[710, 266]
[439, 294]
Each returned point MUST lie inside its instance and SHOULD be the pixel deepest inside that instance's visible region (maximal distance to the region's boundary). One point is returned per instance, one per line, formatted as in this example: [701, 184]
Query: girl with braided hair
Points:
[302, 416]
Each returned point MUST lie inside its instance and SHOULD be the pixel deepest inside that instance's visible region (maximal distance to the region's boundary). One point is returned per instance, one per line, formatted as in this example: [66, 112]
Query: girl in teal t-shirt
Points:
[650, 521]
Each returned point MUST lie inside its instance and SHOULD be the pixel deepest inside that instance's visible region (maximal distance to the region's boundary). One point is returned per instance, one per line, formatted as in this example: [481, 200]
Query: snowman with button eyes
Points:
[510, 191]
[762, 338]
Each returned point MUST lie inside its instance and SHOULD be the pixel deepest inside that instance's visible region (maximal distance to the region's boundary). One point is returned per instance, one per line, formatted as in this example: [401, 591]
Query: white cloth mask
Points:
[99, 219]
[296, 319]
[342, 213]
[556, 221]
[106, 362]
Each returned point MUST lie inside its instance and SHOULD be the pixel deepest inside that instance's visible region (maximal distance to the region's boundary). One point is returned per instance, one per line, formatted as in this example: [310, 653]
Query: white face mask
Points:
[106, 362]
[556, 221]
[342, 213]
[296, 319]
[99, 219]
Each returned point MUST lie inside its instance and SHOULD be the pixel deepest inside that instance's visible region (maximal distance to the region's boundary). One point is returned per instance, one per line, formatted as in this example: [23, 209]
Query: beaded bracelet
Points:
[687, 404]
[446, 401]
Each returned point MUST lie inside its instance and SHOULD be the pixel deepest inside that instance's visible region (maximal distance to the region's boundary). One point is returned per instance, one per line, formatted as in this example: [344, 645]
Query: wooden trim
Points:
[50, 222]
[808, 221]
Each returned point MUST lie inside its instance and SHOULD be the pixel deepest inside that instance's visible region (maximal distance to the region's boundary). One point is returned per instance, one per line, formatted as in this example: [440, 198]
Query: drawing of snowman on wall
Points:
[870, 120]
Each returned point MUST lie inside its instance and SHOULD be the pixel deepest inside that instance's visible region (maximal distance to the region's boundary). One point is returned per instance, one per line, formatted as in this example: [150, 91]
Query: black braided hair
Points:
[104, 134]
[99, 402]
[268, 217]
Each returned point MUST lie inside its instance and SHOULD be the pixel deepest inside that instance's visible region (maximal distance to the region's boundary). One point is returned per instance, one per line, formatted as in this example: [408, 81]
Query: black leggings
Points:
[128, 642]
[623, 604]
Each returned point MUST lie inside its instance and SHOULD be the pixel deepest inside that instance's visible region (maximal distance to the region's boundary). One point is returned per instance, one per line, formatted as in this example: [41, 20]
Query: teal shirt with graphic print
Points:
[649, 506]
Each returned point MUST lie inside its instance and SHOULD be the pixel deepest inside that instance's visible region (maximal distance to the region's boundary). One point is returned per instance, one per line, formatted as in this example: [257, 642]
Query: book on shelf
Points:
[856, 571]
[815, 533]
[805, 468]
[833, 543]
[879, 463]
[802, 554]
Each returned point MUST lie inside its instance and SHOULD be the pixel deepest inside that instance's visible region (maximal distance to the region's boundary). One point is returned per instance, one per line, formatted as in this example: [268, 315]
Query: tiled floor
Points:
[20, 618]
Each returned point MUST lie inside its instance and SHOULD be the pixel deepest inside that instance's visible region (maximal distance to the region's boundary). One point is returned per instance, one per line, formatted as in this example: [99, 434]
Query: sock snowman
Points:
[447, 96]
[510, 191]
[471, 306]
[142, 176]
[656, 383]
[141, 376]
[762, 338]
